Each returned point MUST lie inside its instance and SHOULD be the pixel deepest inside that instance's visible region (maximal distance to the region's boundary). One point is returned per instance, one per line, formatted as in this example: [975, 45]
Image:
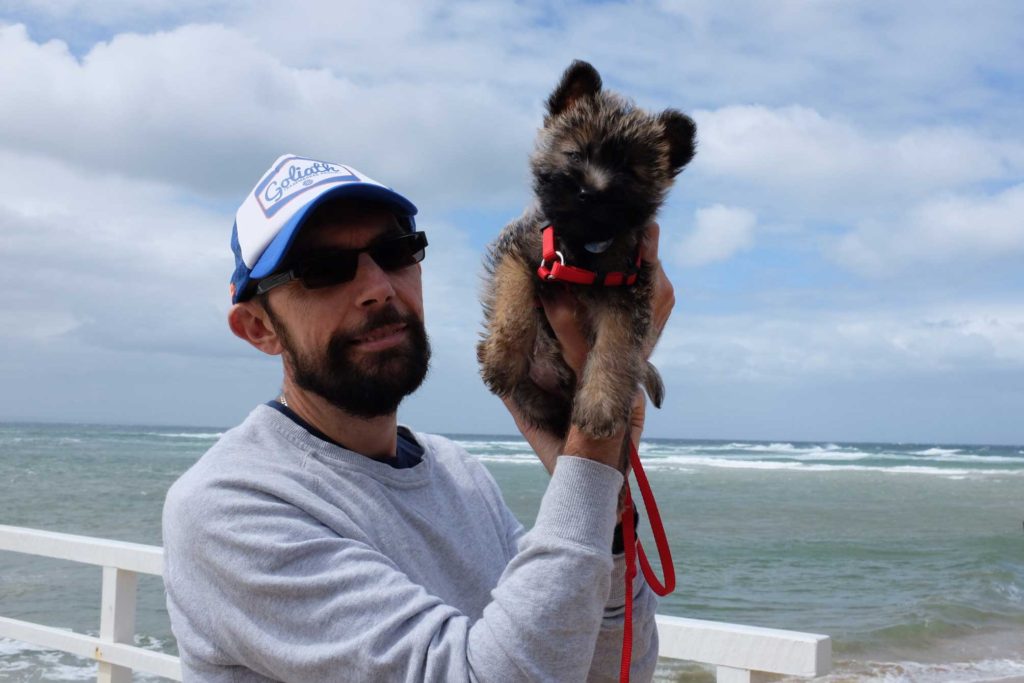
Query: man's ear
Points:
[250, 321]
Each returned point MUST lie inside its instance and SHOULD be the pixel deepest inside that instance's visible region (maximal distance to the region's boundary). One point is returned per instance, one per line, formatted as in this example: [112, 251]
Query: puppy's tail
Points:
[653, 385]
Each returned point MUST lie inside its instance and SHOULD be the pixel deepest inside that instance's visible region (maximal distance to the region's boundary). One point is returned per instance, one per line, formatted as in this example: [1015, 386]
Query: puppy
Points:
[601, 169]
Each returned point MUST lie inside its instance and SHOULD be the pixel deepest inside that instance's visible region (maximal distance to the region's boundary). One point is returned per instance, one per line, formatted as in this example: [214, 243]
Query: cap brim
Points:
[274, 254]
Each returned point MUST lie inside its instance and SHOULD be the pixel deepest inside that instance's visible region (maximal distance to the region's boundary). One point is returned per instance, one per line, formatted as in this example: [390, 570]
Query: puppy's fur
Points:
[601, 170]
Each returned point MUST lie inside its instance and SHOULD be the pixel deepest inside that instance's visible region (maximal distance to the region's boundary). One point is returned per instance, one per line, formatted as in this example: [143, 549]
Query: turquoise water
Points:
[911, 556]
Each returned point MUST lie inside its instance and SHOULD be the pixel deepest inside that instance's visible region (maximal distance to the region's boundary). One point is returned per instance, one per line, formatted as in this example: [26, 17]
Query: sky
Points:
[847, 247]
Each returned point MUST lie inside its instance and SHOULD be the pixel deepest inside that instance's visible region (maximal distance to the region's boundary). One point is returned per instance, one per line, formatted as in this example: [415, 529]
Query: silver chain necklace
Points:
[283, 400]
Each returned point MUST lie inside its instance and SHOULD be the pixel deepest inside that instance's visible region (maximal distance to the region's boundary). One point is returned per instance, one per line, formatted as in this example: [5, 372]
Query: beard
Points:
[367, 387]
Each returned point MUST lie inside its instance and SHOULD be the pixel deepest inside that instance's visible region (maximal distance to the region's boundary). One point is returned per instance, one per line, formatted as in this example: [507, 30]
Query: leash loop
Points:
[634, 549]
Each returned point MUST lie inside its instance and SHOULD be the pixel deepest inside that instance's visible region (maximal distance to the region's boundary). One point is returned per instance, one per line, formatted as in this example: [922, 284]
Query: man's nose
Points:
[372, 283]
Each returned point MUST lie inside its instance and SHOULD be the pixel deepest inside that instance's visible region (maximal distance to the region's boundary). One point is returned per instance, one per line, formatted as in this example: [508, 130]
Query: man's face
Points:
[360, 345]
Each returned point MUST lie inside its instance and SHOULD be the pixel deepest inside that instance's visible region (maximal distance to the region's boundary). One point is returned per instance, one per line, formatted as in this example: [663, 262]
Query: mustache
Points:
[382, 318]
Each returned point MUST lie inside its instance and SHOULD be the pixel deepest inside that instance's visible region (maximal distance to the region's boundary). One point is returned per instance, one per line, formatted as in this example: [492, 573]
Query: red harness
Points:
[557, 270]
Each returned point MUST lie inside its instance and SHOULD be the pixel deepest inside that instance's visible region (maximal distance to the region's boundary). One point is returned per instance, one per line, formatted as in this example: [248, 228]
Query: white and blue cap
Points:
[273, 213]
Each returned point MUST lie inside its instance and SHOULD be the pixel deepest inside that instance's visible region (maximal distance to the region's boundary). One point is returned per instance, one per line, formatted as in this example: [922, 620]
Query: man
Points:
[321, 541]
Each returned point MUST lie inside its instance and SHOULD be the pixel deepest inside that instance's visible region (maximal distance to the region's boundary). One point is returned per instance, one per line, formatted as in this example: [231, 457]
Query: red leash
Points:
[553, 267]
[634, 548]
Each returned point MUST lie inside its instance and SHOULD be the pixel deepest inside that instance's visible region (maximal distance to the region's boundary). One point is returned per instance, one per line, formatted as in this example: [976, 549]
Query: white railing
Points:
[744, 654]
[122, 563]
[740, 654]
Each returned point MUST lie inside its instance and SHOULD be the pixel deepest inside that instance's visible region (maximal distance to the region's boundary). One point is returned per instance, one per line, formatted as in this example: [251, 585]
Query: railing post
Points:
[117, 619]
[727, 674]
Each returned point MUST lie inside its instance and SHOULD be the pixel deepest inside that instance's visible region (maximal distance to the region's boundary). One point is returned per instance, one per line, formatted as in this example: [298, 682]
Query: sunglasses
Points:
[335, 266]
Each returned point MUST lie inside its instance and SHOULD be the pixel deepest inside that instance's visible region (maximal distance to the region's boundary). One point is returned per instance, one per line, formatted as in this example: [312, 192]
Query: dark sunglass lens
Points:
[328, 271]
[338, 266]
[400, 252]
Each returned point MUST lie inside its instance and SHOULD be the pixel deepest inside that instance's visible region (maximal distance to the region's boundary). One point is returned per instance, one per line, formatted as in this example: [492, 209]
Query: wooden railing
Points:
[740, 654]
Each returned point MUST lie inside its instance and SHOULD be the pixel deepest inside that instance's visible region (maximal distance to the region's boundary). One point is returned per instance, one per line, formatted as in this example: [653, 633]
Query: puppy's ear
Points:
[679, 133]
[580, 80]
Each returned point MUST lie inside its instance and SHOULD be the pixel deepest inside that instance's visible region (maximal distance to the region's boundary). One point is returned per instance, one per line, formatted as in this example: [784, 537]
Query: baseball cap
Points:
[273, 213]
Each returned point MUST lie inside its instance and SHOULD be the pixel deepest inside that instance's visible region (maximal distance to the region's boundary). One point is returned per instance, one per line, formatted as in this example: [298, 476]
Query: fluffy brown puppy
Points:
[601, 170]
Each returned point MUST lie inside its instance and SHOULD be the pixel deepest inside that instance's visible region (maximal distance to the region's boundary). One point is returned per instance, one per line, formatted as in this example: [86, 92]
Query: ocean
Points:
[911, 556]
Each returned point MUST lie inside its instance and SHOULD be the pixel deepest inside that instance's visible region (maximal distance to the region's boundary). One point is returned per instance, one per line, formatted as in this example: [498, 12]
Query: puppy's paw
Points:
[599, 419]
[500, 383]
[543, 409]
[653, 385]
[501, 372]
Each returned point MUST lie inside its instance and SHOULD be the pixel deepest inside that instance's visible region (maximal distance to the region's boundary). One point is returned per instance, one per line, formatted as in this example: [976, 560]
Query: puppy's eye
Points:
[574, 156]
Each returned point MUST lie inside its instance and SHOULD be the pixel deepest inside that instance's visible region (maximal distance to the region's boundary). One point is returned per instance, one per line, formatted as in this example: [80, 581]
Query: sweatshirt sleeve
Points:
[266, 585]
[608, 651]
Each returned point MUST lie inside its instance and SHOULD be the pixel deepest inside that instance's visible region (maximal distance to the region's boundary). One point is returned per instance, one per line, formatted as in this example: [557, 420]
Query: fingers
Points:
[565, 315]
[636, 418]
[546, 446]
[663, 299]
[649, 244]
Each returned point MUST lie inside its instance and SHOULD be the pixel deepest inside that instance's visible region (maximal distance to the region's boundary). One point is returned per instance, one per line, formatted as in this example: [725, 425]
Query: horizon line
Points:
[911, 442]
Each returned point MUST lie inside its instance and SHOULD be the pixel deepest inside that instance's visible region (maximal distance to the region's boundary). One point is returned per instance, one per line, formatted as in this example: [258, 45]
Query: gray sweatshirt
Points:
[288, 558]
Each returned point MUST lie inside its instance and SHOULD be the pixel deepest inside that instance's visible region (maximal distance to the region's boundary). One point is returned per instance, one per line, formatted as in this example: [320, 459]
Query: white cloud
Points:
[720, 232]
[946, 230]
[126, 144]
[203, 106]
[35, 325]
[117, 13]
[892, 62]
[803, 159]
[126, 264]
[865, 345]
[446, 118]
[111, 261]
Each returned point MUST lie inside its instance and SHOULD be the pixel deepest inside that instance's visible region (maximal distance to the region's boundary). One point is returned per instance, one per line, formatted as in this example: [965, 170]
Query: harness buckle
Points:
[549, 269]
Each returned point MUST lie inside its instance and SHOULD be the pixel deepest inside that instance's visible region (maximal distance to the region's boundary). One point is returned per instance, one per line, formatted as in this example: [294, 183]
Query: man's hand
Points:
[565, 314]
[663, 300]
